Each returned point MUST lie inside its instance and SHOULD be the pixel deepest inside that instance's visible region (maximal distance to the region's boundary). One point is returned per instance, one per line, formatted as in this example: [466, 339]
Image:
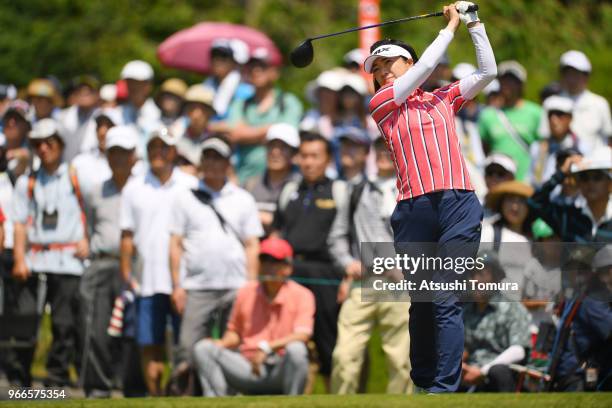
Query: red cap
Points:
[276, 248]
[122, 90]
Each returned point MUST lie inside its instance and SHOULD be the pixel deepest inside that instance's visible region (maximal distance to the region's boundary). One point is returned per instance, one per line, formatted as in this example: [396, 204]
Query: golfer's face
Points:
[388, 69]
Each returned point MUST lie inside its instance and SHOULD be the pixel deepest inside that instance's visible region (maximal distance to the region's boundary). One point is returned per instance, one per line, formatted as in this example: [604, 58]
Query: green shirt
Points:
[525, 118]
[502, 323]
[251, 158]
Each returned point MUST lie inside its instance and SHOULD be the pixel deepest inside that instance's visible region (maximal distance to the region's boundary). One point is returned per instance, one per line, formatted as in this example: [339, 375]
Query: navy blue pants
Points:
[452, 220]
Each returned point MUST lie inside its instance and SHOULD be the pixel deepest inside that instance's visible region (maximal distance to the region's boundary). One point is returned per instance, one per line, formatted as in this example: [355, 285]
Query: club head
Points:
[302, 55]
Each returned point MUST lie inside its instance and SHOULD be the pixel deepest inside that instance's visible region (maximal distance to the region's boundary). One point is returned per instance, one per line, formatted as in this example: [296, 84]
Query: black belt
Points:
[105, 255]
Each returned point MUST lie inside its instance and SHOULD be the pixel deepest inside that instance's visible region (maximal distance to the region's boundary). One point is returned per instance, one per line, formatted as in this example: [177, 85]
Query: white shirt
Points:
[581, 203]
[79, 136]
[215, 257]
[92, 169]
[146, 120]
[6, 202]
[146, 205]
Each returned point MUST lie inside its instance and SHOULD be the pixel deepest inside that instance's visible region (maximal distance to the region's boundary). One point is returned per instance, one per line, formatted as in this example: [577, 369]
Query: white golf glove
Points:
[464, 15]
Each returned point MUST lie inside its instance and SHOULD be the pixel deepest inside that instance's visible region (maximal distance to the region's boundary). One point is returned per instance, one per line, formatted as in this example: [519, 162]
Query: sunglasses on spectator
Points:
[596, 176]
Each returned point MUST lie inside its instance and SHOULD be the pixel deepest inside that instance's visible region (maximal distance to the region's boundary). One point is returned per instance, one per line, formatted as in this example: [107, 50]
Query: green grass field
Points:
[339, 401]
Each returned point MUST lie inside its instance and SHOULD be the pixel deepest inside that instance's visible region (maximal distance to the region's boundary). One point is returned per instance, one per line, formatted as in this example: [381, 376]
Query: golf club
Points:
[302, 55]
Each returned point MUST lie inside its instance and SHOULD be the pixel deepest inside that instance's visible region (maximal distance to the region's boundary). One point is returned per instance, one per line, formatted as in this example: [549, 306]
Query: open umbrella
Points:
[189, 49]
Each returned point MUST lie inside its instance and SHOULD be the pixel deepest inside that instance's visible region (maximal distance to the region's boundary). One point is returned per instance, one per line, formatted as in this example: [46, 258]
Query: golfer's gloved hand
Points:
[464, 15]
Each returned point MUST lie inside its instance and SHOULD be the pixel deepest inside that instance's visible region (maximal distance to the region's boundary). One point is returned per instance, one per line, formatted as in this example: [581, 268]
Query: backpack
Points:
[339, 193]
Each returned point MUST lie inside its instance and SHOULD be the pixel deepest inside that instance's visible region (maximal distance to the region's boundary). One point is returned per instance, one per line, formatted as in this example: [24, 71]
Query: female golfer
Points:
[436, 202]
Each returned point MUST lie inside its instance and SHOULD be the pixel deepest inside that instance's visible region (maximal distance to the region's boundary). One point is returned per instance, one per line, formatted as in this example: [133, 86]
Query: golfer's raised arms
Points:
[471, 85]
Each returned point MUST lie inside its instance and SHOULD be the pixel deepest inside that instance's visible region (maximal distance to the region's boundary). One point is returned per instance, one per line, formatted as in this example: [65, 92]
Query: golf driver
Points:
[302, 55]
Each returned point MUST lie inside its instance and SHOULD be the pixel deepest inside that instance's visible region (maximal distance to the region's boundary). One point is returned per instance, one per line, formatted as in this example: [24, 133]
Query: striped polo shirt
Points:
[421, 136]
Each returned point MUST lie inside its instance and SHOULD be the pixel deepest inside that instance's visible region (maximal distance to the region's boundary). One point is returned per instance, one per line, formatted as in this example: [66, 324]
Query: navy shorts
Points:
[154, 314]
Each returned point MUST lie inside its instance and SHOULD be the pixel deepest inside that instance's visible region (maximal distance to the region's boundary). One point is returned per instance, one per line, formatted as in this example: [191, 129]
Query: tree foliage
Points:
[69, 37]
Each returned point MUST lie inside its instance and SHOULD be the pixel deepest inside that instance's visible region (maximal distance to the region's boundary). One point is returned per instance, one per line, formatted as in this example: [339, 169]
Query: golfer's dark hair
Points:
[306, 136]
[399, 43]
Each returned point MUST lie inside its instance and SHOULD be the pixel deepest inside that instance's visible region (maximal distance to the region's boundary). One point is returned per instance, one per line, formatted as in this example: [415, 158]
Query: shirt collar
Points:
[61, 170]
[227, 188]
[280, 295]
[151, 178]
[581, 203]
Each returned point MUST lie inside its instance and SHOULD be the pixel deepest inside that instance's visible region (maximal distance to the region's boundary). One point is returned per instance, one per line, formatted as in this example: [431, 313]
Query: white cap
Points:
[354, 56]
[502, 160]
[44, 128]
[356, 83]
[186, 149]
[125, 137]
[577, 60]
[108, 92]
[462, 70]
[261, 54]
[603, 257]
[114, 115]
[164, 135]
[218, 145]
[601, 159]
[331, 79]
[285, 133]
[386, 50]
[238, 48]
[513, 68]
[558, 103]
[138, 70]
[493, 86]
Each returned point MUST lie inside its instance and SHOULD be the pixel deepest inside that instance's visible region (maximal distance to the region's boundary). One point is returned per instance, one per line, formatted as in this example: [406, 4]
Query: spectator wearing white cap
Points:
[589, 217]
[352, 105]
[323, 93]
[215, 234]
[193, 129]
[226, 58]
[249, 120]
[101, 281]
[591, 113]
[140, 110]
[144, 221]
[352, 60]
[282, 142]
[512, 128]
[497, 169]
[50, 237]
[92, 166]
[558, 114]
[108, 96]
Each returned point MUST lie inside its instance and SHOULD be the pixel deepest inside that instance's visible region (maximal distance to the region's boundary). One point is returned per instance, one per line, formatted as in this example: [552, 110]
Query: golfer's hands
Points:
[469, 18]
[472, 374]
[452, 15]
[257, 361]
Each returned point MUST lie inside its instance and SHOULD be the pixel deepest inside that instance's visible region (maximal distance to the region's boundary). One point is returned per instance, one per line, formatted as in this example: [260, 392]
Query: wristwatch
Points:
[265, 347]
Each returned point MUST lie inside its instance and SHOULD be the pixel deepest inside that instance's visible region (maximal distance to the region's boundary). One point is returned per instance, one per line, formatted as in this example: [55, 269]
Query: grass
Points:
[583, 400]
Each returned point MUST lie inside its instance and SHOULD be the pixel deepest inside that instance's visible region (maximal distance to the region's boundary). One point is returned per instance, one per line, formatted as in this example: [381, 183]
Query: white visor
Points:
[387, 50]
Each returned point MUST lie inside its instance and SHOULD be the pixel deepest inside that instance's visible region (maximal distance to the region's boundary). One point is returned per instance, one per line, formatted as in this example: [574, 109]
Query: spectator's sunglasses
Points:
[595, 175]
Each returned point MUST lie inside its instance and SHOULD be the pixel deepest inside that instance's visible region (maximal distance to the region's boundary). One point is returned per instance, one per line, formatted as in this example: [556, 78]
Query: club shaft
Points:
[399, 20]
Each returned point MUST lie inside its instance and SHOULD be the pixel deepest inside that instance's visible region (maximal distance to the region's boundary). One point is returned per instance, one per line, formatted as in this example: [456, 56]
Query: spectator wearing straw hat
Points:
[44, 98]
[194, 129]
[558, 115]
[170, 99]
[589, 217]
[512, 128]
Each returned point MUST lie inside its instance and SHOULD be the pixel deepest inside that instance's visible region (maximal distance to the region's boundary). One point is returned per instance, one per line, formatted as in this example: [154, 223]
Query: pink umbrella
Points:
[189, 49]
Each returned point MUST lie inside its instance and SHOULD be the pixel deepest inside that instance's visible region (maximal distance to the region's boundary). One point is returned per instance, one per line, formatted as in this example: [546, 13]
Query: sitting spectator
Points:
[509, 231]
[226, 59]
[250, 119]
[497, 169]
[170, 100]
[215, 236]
[558, 113]
[496, 334]
[282, 142]
[589, 218]
[263, 350]
[511, 129]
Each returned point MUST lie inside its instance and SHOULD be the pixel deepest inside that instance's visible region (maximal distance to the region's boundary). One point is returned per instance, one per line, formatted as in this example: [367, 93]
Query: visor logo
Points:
[381, 50]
